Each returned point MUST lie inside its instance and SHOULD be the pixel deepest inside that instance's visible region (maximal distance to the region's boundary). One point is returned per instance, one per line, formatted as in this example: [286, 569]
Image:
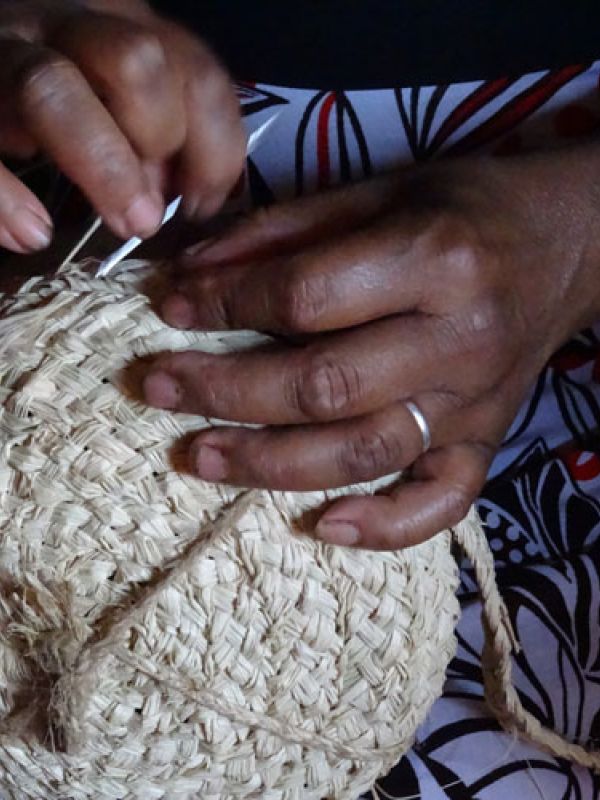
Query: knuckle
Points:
[209, 86]
[212, 297]
[471, 331]
[326, 388]
[368, 456]
[301, 302]
[463, 261]
[483, 332]
[458, 244]
[45, 80]
[139, 60]
[492, 326]
[113, 166]
[486, 333]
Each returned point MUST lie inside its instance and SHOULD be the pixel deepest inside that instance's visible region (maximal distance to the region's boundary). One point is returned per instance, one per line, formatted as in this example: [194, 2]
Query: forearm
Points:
[557, 194]
[575, 184]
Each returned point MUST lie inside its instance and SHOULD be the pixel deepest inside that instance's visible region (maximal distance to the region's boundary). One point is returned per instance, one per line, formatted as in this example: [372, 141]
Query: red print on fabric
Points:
[581, 465]
[570, 359]
[323, 151]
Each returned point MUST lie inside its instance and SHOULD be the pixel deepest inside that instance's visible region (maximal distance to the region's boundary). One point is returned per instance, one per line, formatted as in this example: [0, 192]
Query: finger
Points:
[157, 176]
[214, 152]
[70, 123]
[293, 224]
[128, 67]
[446, 484]
[324, 381]
[311, 457]
[330, 285]
[25, 225]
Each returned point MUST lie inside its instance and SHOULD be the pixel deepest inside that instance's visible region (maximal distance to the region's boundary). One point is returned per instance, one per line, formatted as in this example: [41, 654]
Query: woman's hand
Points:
[124, 102]
[449, 285]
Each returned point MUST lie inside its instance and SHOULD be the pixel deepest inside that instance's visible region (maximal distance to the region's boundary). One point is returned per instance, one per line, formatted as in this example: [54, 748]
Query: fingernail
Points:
[42, 214]
[178, 312]
[31, 230]
[209, 462]
[189, 205]
[8, 242]
[201, 206]
[161, 390]
[144, 215]
[344, 534]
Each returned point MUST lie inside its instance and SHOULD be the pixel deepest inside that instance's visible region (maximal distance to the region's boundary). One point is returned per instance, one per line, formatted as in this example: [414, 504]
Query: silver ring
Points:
[416, 413]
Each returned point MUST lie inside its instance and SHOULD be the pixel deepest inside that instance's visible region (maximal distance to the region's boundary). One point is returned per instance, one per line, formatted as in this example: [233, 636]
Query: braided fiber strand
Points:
[161, 637]
[500, 644]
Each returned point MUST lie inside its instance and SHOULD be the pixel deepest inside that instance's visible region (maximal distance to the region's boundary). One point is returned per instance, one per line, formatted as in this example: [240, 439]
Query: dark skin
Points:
[449, 285]
[130, 107]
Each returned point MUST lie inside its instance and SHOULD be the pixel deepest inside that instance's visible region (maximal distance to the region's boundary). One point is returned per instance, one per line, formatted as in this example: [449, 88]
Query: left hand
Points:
[130, 106]
[449, 285]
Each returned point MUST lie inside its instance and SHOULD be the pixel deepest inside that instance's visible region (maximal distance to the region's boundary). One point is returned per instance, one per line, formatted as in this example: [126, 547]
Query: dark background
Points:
[349, 44]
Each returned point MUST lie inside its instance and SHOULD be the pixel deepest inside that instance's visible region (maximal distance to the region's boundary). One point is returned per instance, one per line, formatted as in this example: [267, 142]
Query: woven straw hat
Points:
[161, 637]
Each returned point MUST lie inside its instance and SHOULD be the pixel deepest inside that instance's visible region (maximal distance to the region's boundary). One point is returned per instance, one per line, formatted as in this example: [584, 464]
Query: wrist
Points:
[564, 196]
[581, 174]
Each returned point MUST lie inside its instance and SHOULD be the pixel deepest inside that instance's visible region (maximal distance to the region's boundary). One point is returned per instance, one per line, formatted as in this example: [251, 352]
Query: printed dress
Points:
[541, 505]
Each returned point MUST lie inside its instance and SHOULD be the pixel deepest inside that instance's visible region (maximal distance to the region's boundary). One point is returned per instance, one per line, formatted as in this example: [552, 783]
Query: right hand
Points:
[128, 105]
[448, 285]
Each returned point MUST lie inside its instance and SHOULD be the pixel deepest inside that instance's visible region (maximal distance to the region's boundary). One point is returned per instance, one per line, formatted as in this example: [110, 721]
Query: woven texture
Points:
[161, 637]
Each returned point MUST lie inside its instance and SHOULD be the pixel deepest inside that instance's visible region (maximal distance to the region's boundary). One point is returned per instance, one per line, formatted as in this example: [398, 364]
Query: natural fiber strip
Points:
[163, 637]
[500, 645]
